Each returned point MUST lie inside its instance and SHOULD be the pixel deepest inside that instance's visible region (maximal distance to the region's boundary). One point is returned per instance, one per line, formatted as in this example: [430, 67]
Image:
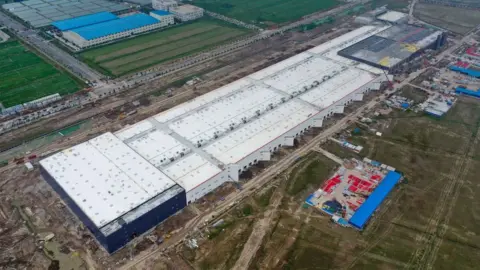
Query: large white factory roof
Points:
[191, 171]
[331, 48]
[195, 141]
[105, 177]
[392, 16]
[252, 136]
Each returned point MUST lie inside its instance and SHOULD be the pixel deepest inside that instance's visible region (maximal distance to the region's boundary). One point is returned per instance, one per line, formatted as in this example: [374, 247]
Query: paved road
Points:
[51, 51]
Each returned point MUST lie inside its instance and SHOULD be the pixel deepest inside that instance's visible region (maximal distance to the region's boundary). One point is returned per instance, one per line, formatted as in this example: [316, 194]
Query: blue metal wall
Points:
[120, 237]
[73, 206]
[142, 224]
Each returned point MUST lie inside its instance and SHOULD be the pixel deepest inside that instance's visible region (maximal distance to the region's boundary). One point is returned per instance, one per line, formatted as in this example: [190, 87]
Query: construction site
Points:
[286, 153]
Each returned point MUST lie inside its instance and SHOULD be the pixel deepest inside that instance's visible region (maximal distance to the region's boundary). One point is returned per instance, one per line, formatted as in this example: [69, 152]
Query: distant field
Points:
[144, 51]
[26, 77]
[457, 20]
[273, 11]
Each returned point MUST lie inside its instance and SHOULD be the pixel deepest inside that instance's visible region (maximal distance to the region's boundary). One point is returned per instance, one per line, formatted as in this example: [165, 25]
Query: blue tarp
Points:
[83, 21]
[309, 200]
[405, 105]
[116, 26]
[469, 72]
[465, 91]
[365, 211]
[161, 12]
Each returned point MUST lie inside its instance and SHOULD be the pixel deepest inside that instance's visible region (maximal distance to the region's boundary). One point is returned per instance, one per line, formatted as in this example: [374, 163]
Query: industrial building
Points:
[394, 45]
[355, 191]
[186, 12]
[393, 17]
[163, 16]
[164, 4]
[468, 92]
[366, 210]
[91, 30]
[41, 13]
[115, 193]
[179, 155]
[466, 71]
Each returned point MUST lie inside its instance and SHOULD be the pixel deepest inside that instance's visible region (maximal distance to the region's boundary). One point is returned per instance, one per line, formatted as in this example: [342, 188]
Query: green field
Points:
[147, 50]
[429, 221]
[26, 77]
[272, 11]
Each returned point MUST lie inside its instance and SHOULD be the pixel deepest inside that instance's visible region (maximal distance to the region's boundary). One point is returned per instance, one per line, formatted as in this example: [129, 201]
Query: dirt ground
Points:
[429, 221]
[457, 20]
[251, 224]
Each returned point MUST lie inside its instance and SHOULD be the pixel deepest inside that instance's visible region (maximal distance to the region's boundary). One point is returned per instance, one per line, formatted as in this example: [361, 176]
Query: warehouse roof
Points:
[467, 71]
[115, 26]
[168, 154]
[105, 172]
[191, 171]
[366, 210]
[392, 16]
[185, 9]
[391, 46]
[337, 87]
[161, 12]
[251, 137]
[44, 12]
[331, 48]
[218, 117]
[83, 21]
[193, 141]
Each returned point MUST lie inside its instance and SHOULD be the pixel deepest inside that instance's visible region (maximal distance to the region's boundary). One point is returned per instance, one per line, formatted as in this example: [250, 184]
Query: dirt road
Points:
[256, 237]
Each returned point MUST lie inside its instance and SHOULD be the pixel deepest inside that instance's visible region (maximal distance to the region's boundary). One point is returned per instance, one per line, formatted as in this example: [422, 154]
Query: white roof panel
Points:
[200, 101]
[158, 147]
[133, 130]
[392, 16]
[219, 116]
[336, 88]
[330, 49]
[105, 177]
[300, 77]
[350, 38]
[254, 135]
[191, 171]
[279, 66]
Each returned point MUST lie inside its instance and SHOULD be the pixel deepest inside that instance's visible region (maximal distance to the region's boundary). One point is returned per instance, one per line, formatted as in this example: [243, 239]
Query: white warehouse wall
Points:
[207, 186]
[286, 139]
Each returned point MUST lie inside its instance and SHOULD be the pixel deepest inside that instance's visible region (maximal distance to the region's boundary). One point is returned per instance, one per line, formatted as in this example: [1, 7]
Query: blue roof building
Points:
[82, 21]
[469, 72]
[161, 12]
[468, 92]
[115, 26]
[366, 210]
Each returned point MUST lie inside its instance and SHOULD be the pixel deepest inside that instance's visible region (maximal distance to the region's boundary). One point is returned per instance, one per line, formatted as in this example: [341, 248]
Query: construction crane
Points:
[390, 83]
